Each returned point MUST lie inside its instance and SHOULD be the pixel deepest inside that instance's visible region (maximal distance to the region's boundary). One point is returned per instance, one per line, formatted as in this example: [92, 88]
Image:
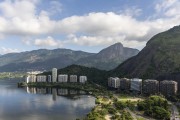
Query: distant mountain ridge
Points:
[40, 59]
[44, 59]
[109, 57]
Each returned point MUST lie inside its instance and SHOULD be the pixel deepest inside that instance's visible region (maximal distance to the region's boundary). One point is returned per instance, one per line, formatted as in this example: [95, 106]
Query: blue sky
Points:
[88, 25]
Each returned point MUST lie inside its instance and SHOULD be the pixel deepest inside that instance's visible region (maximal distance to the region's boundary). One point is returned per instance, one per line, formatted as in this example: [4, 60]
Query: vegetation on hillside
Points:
[5, 75]
[94, 75]
[155, 106]
[160, 59]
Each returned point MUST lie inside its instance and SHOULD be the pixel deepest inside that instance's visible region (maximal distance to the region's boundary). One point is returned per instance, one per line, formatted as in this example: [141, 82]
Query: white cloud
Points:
[48, 42]
[4, 50]
[93, 40]
[26, 40]
[168, 8]
[103, 24]
[102, 41]
[20, 17]
[56, 7]
[2, 36]
[131, 11]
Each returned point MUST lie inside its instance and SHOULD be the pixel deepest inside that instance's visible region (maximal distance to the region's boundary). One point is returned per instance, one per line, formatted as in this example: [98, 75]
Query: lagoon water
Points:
[42, 103]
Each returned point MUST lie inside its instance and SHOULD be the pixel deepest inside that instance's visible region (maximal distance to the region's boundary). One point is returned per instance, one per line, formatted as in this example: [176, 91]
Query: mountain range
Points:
[44, 59]
[159, 59]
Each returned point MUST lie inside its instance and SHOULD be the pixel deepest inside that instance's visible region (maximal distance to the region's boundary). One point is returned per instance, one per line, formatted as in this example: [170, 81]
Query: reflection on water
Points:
[42, 103]
[54, 93]
[69, 93]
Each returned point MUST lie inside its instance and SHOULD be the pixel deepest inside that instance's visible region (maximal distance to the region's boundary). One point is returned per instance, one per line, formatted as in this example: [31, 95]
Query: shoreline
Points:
[106, 102]
[91, 88]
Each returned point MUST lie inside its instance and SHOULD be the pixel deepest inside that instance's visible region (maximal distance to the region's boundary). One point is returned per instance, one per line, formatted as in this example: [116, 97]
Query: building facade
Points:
[125, 84]
[73, 78]
[168, 88]
[114, 82]
[31, 78]
[150, 86]
[82, 79]
[41, 78]
[54, 75]
[62, 78]
[136, 85]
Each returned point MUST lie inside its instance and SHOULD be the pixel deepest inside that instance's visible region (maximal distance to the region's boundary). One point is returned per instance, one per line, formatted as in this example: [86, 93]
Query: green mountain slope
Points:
[40, 59]
[108, 58]
[159, 59]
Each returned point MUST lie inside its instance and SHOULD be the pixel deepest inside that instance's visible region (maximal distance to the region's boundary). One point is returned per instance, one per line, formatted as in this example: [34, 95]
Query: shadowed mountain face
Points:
[159, 59]
[47, 59]
[109, 57]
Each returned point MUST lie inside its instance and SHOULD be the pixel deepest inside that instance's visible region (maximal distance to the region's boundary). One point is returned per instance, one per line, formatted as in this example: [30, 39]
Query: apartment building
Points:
[168, 87]
[136, 85]
[73, 78]
[114, 82]
[125, 84]
[83, 79]
[41, 78]
[62, 78]
[150, 86]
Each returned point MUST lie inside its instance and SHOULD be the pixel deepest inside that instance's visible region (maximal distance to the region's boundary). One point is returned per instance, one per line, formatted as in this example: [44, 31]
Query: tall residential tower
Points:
[54, 75]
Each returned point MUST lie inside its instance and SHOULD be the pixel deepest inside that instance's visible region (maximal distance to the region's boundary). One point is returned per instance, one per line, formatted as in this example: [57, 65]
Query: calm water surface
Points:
[42, 103]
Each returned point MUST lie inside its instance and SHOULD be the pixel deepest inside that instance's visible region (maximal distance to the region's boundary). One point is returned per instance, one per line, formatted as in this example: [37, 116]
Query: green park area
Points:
[130, 108]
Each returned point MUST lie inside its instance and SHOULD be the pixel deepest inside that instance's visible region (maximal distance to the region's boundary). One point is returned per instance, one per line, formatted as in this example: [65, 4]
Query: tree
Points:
[160, 113]
[155, 106]
[120, 105]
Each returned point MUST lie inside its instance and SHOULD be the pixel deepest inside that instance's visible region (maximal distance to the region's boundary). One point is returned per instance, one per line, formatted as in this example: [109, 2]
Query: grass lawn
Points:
[125, 97]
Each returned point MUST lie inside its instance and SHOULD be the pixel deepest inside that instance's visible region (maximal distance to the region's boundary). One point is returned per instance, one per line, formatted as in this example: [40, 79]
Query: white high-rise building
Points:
[54, 75]
[114, 82]
[136, 84]
[31, 78]
[62, 78]
[83, 79]
[41, 78]
[73, 78]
